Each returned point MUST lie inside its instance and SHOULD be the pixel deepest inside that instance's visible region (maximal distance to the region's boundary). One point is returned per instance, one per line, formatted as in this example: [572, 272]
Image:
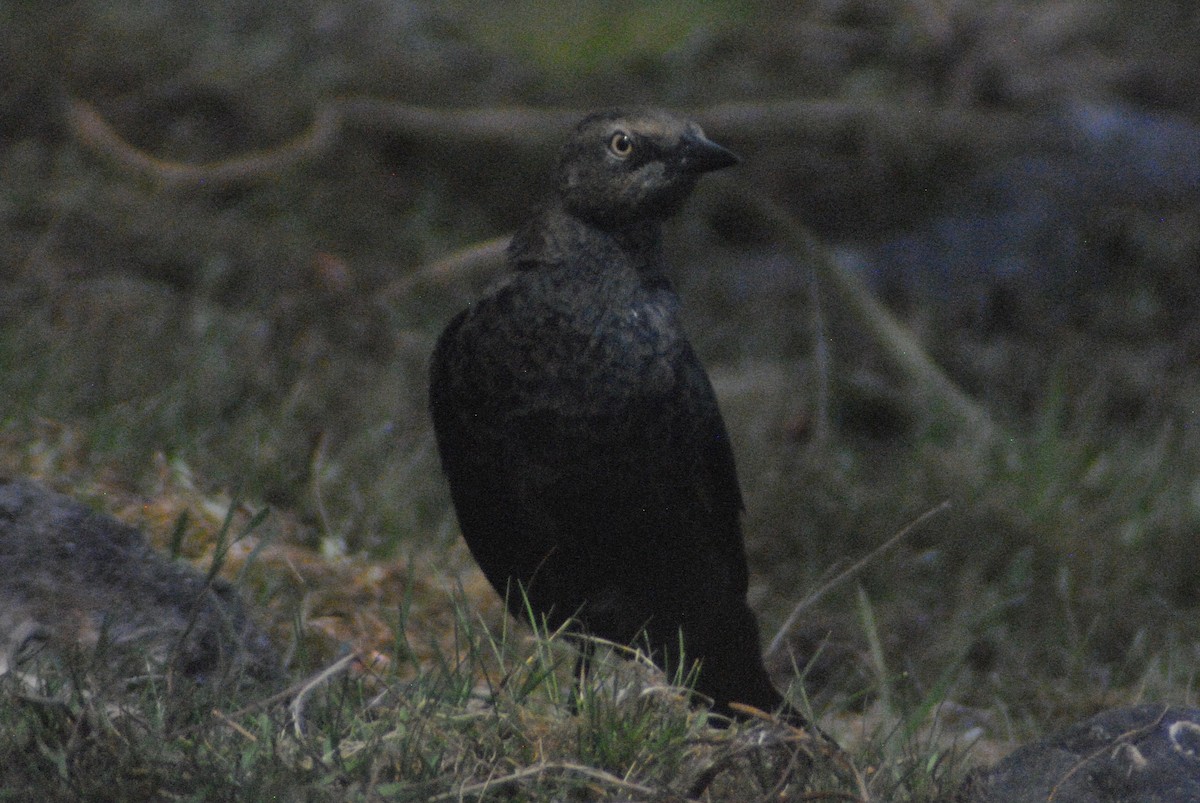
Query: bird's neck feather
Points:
[554, 234]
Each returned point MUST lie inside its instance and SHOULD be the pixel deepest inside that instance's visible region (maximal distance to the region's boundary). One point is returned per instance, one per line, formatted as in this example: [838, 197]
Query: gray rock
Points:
[1139, 754]
[73, 580]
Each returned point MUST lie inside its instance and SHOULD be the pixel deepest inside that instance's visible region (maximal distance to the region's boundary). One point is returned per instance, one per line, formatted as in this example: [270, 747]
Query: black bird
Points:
[587, 459]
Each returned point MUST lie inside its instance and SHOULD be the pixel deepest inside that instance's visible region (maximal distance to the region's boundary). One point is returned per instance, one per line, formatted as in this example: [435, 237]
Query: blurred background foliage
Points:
[1045, 248]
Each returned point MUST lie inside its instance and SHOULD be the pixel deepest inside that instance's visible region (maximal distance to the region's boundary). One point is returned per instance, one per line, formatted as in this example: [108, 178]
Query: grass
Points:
[165, 352]
[492, 719]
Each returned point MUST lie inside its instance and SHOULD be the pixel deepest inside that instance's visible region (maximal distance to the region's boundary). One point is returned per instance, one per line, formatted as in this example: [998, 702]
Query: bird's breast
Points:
[595, 360]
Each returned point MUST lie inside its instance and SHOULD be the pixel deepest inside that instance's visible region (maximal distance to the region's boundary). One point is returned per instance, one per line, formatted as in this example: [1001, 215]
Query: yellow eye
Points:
[621, 145]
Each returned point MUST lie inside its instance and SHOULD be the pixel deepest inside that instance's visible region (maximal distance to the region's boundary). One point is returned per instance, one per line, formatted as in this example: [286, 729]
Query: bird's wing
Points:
[716, 457]
[608, 450]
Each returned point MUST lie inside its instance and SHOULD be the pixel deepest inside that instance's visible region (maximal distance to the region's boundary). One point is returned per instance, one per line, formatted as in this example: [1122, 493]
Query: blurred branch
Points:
[911, 124]
[517, 123]
[899, 345]
[463, 265]
[906, 125]
[96, 134]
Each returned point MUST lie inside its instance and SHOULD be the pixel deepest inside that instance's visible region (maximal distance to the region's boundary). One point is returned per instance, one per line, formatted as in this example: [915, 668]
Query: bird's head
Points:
[623, 167]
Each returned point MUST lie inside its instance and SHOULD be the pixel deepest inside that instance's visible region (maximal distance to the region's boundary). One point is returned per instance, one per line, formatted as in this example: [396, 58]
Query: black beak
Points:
[698, 154]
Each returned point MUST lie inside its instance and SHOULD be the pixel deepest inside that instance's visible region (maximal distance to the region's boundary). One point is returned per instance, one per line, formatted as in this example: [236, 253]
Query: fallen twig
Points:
[811, 599]
[539, 769]
[1124, 738]
[297, 705]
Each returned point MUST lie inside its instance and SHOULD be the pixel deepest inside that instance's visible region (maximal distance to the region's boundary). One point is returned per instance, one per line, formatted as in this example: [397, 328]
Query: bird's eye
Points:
[621, 145]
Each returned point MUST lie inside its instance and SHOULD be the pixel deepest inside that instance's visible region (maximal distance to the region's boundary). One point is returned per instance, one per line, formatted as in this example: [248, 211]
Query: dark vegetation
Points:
[1016, 182]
